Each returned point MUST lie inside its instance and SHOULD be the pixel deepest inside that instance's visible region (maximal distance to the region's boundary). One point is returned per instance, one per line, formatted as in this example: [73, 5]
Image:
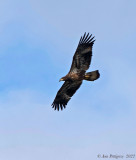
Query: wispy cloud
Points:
[28, 124]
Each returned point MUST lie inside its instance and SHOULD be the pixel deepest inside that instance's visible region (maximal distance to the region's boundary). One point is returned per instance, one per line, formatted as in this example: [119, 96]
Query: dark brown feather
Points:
[82, 57]
[65, 93]
[73, 80]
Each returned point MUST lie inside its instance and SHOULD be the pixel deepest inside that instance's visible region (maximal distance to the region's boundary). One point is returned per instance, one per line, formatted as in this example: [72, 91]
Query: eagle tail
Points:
[92, 76]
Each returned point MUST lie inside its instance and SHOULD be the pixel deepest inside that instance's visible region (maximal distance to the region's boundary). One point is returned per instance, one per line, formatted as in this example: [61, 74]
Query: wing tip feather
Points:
[86, 39]
[58, 106]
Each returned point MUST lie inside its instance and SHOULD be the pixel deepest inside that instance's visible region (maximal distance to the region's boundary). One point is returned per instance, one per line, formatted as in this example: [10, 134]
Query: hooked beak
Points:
[61, 79]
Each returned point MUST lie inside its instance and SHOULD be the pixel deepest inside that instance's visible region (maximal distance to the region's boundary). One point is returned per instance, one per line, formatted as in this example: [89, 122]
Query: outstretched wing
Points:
[65, 93]
[82, 57]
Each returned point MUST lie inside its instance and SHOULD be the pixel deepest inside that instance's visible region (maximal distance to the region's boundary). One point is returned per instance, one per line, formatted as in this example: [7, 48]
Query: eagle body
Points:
[73, 77]
[76, 75]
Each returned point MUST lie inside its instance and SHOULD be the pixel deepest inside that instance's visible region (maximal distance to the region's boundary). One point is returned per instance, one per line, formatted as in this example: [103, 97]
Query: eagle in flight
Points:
[76, 75]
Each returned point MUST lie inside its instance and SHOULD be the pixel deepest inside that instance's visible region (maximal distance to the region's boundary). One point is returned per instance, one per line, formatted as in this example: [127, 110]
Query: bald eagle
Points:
[73, 80]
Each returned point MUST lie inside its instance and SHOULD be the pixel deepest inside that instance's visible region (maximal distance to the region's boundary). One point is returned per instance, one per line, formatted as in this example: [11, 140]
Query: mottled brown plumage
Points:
[73, 80]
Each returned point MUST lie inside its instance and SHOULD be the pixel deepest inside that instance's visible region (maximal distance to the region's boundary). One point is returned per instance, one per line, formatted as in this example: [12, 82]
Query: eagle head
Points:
[63, 78]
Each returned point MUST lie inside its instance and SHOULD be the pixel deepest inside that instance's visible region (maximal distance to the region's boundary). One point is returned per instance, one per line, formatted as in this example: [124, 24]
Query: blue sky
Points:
[37, 43]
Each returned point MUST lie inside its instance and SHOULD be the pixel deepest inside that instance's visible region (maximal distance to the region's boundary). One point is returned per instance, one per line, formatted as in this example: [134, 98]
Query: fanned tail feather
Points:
[92, 76]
